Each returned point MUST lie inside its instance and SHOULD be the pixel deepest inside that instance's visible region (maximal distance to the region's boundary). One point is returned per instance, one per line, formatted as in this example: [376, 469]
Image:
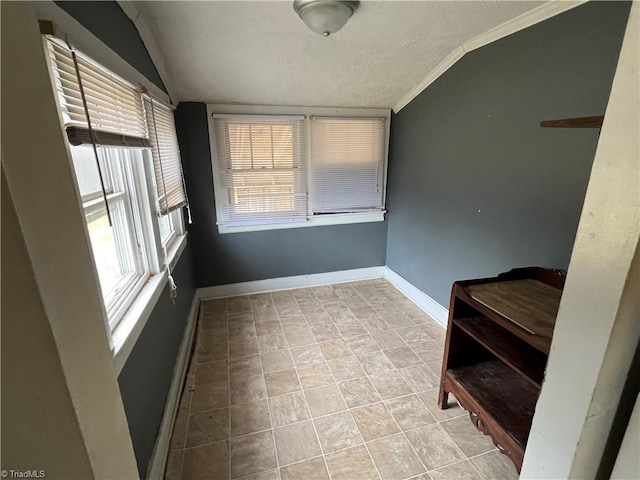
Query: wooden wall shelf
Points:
[580, 122]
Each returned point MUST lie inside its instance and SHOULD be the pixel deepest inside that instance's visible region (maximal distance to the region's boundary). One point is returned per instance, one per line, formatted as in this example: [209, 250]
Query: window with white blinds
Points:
[347, 164]
[115, 108]
[260, 169]
[166, 156]
[298, 166]
[117, 133]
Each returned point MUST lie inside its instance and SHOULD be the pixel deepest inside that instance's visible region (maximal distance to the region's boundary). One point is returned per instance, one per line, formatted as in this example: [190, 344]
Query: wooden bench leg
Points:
[443, 399]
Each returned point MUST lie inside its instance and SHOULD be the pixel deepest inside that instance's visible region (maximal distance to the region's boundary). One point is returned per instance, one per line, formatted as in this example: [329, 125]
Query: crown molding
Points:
[527, 19]
[431, 77]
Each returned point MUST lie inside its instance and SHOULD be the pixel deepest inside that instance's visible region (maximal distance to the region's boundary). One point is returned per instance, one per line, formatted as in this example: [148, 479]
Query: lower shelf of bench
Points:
[500, 402]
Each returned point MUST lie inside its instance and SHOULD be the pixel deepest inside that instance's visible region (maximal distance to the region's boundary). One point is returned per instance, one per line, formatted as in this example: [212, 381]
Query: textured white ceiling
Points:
[262, 53]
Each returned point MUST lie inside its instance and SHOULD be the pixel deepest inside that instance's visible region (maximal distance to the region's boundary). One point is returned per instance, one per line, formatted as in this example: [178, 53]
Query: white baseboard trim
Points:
[158, 461]
[424, 301]
[439, 313]
[288, 283]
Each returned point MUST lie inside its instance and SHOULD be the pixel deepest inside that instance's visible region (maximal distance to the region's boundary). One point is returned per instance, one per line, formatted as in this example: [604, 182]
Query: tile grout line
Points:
[226, 321]
[324, 362]
[345, 448]
[315, 429]
[475, 468]
[271, 430]
[351, 414]
[439, 423]
[382, 400]
[367, 376]
[456, 463]
[192, 387]
[345, 339]
[228, 335]
[288, 350]
[426, 470]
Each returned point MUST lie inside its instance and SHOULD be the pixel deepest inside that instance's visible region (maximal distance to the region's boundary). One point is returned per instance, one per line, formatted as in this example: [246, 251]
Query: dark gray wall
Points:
[146, 377]
[109, 23]
[476, 187]
[241, 257]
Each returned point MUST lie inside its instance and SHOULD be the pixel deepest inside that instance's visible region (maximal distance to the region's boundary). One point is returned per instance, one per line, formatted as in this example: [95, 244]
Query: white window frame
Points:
[129, 199]
[126, 321]
[166, 239]
[171, 242]
[124, 336]
[312, 220]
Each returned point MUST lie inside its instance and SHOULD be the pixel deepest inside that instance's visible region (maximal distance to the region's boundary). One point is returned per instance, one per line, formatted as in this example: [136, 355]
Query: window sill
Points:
[128, 330]
[316, 221]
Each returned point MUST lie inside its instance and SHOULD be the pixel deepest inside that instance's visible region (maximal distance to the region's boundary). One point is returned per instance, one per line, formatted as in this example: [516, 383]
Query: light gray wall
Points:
[241, 257]
[145, 379]
[476, 186]
[40, 430]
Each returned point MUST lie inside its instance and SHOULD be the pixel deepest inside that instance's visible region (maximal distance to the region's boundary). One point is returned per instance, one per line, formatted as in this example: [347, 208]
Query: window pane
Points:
[282, 146]
[117, 249]
[263, 191]
[260, 146]
[166, 228]
[347, 164]
[111, 250]
[261, 166]
[84, 163]
[262, 163]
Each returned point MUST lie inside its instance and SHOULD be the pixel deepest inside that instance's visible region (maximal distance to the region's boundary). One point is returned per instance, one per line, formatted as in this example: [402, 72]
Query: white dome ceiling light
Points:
[325, 17]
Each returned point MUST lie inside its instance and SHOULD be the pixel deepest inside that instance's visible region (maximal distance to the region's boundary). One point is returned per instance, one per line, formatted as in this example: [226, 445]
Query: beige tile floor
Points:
[334, 382]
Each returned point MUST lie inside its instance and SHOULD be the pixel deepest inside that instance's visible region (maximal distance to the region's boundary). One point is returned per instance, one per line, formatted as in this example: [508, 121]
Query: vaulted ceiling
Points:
[260, 52]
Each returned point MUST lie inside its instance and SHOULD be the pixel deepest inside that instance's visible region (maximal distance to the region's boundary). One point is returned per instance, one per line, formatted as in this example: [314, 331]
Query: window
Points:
[119, 249]
[166, 156]
[167, 229]
[171, 227]
[347, 164]
[282, 171]
[115, 108]
[260, 170]
[126, 160]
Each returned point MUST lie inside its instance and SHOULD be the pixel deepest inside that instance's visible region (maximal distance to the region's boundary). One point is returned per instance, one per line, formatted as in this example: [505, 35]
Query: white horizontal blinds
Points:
[261, 169]
[347, 164]
[114, 106]
[166, 156]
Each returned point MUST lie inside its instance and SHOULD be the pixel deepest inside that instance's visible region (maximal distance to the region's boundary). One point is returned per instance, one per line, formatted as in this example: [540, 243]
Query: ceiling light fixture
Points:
[325, 17]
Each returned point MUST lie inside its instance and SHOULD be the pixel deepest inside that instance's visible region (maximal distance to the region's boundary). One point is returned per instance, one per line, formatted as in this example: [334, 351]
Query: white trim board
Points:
[158, 461]
[312, 221]
[432, 308]
[421, 299]
[288, 283]
[527, 19]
